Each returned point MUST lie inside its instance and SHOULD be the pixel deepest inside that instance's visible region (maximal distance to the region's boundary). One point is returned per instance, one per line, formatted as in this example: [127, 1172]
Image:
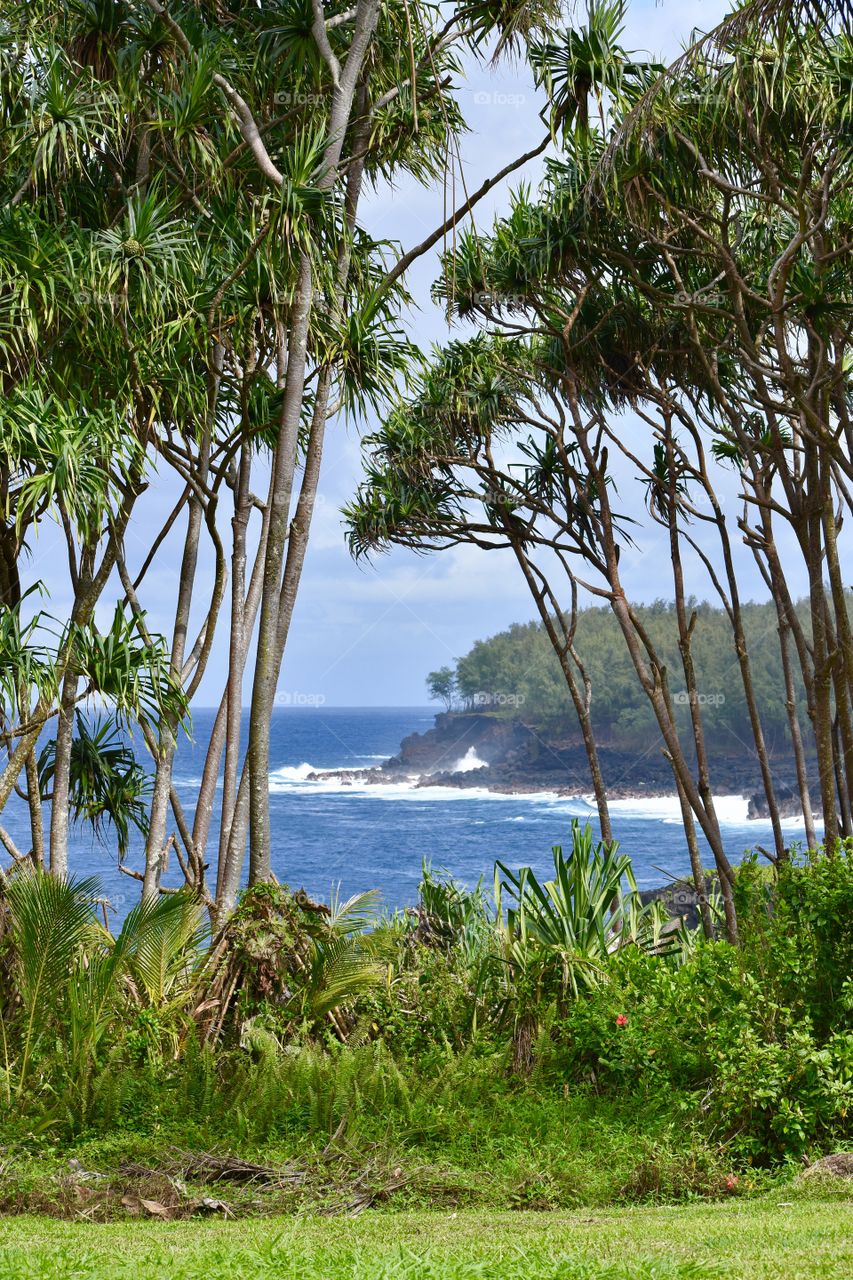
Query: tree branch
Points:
[419, 250]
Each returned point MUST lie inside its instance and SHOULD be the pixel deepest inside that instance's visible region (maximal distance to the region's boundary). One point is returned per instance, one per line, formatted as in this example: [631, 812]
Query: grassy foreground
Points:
[797, 1239]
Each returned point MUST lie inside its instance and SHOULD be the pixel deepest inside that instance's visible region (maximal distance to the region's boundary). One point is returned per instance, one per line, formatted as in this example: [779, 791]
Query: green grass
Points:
[770, 1239]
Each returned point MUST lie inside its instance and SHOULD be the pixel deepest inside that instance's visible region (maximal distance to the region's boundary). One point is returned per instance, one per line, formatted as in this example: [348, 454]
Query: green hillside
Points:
[517, 673]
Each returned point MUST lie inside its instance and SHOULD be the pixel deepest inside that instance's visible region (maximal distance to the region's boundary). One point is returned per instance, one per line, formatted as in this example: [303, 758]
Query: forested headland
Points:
[517, 674]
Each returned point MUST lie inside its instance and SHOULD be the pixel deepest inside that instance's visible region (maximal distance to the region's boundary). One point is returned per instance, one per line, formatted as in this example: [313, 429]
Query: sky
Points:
[367, 635]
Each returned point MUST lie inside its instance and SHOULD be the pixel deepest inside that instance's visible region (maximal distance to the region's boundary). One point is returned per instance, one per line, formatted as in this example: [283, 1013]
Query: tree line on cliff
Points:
[517, 674]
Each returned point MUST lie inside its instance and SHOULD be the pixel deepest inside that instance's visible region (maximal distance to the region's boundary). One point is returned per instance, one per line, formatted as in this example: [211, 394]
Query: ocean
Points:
[376, 836]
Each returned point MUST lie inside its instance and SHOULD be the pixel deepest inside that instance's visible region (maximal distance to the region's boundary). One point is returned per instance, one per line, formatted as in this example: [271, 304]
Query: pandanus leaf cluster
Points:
[590, 908]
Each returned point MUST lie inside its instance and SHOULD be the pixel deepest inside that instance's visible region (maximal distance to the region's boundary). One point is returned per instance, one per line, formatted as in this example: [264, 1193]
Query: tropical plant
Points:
[185, 284]
[344, 961]
[580, 916]
[663, 302]
[452, 916]
[74, 981]
[149, 966]
[108, 786]
[51, 918]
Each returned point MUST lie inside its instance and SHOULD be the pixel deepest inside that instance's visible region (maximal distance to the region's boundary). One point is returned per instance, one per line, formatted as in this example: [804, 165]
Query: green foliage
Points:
[555, 1002]
[441, 686]
[107, 784]
[518, 668]
[51, 917]
[75, 984]
[799, 932]
[581, 916]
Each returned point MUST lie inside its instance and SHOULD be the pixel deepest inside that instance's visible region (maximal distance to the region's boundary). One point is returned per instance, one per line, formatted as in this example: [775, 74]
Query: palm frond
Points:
[355, 914]
[51, 916]
[161, 942]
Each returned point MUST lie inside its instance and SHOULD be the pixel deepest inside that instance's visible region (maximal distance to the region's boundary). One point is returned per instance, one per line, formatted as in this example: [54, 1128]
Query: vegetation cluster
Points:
[559, 1033]
[518, 673]
[190, 302]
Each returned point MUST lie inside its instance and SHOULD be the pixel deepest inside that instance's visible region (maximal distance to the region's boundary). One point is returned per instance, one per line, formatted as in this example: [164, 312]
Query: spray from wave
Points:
[469, 762]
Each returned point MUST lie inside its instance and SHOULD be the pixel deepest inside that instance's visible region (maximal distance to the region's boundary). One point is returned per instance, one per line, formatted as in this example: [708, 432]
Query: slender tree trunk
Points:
[267, 658]
[91, 582]
[233, 870]
[732, 604]
[841, 783]
[213, 759]
[811, 542]
[794, 725]
[36, 816]
[167, 744]
[562, 643]
[652, 681]
[843, 643]
[789, 627]
[60, 803]
[280, 587]
[236, 658]
[696, 868]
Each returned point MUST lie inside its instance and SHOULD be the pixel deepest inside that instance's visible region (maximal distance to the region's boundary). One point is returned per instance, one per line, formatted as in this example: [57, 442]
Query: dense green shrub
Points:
[409, 1034]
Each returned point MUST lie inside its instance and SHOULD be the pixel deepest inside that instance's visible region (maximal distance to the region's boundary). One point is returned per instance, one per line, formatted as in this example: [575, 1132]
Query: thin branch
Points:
[419, 250]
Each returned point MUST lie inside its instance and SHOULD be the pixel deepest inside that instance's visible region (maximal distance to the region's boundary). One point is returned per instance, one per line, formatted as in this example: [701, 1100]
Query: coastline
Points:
[502, 756]
[482, 779]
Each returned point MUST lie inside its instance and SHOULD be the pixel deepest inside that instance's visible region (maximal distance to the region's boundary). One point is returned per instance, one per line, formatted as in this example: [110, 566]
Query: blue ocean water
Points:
[367, 837]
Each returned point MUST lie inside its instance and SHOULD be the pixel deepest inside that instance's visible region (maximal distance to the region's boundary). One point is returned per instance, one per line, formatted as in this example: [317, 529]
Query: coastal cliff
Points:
[508, 754]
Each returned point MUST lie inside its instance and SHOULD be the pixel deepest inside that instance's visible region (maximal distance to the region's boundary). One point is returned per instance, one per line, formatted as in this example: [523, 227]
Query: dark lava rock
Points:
[680, 900]
[839, 1165]
[493, 739]
[787, 798]
[520, 756]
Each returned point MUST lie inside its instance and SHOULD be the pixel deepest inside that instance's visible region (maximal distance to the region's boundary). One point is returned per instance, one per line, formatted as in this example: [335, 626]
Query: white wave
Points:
[292, 780]
[469, 761]
[731, 811]
[664, 808]
[298, 779]
[294, 773]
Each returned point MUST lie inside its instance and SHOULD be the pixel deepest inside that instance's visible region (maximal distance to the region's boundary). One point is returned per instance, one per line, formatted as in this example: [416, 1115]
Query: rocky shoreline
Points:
[507, 756]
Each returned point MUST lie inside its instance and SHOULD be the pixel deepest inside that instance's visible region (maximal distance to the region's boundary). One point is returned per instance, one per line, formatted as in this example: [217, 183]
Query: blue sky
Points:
[367, 635]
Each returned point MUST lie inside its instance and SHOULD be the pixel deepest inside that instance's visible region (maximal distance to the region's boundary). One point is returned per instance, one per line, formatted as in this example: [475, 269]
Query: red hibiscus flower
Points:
[621, 1020]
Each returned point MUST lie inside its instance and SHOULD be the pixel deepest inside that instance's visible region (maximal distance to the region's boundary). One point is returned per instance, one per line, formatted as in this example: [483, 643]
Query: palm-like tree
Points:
[184, 282]
[74, 980]
[662, 269]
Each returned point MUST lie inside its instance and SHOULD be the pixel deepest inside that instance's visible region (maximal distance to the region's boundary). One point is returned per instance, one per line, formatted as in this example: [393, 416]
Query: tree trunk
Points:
[36, 816]
[267, 656]
[695, 863]
[60, 803]
[236, 659]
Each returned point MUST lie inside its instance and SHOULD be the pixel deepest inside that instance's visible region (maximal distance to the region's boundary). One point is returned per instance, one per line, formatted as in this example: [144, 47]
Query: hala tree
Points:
[697, 273]
[441, 686]
[186, 290]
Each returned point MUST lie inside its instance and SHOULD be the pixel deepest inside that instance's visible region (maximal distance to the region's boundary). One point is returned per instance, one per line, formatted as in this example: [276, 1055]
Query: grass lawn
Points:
[771, 1237]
